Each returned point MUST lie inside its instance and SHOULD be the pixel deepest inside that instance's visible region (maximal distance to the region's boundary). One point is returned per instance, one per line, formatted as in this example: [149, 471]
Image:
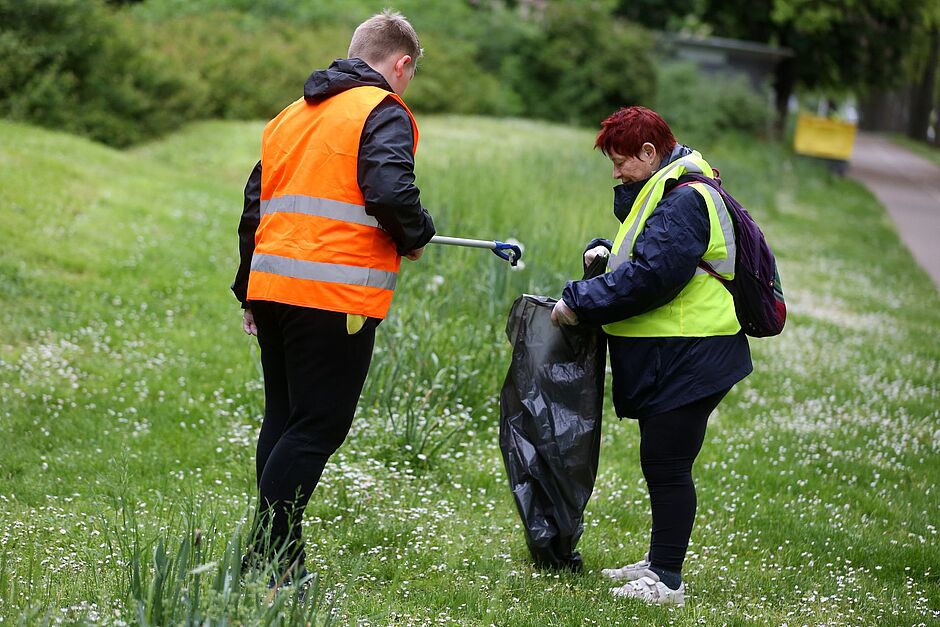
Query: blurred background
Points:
[125, 71]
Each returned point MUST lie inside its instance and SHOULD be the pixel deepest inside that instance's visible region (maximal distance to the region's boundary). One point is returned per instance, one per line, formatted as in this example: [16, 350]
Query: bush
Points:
[451, 80]
[565, 60]
[128, 76]
[581, 64]
[70, 65]
[308, 12]
[252, 66]
[249, 68]
[703, 106]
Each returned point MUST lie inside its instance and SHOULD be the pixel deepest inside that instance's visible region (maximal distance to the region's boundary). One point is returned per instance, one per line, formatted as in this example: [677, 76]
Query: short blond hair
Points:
[383, 35]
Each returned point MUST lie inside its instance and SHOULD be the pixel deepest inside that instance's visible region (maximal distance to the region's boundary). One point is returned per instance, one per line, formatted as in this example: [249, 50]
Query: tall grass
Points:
[130, 402]
[191, 580]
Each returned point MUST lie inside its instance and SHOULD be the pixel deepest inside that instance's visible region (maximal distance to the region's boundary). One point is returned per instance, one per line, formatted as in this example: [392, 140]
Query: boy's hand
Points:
[248, 323]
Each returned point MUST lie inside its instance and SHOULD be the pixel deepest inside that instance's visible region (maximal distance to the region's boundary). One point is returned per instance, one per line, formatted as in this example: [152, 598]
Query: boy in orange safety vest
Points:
[329, 211]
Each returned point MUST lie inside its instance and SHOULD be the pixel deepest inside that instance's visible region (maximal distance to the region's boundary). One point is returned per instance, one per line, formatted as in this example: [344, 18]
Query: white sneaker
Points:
[651, 590]
[631, 572]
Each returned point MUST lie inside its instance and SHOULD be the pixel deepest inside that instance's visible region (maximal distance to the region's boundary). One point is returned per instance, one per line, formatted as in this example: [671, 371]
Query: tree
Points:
[838, 44]
[70, 65]
[924, 62]
[581, 63]
[656, 14]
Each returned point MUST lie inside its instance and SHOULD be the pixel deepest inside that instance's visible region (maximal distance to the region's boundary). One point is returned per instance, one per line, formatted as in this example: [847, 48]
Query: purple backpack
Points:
[756, 289]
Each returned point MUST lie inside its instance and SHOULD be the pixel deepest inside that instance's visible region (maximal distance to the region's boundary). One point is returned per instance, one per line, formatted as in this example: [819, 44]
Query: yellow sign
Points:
[823, 137]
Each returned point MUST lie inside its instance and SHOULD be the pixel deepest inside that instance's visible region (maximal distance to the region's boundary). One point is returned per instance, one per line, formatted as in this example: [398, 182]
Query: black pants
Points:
[313, 375]
[669, 444]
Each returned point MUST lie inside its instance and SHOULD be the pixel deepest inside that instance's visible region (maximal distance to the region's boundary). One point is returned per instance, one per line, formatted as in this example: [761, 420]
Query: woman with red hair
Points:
[675, 344]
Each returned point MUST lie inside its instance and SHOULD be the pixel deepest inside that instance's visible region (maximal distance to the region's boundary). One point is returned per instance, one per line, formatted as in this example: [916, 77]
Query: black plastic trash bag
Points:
[550, 427]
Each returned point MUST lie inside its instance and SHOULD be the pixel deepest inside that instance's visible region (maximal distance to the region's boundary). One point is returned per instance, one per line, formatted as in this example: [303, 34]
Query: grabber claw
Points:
[510, 252]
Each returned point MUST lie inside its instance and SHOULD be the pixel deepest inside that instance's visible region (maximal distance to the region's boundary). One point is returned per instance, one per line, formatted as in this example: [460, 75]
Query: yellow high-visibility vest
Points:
[704, 307]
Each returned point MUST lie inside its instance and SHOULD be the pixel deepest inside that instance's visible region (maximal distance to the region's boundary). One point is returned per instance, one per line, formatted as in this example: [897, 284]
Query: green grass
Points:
[925, 150]
[130, 401]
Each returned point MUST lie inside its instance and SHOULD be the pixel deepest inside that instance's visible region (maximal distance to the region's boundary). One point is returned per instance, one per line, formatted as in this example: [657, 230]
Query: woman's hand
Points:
[591, 255]
[563, 314]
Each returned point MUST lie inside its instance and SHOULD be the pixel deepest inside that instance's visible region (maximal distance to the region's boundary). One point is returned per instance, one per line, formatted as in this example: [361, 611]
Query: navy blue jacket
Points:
[659, 374]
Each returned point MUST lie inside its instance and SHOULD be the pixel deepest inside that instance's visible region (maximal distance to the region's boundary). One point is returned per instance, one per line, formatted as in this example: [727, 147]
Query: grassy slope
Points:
[130, 398]
[925, 150]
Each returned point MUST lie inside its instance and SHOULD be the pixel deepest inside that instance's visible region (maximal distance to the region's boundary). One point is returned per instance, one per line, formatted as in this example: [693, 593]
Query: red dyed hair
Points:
[626, 130]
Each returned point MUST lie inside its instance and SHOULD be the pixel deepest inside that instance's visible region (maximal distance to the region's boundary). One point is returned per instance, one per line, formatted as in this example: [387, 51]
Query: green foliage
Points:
[253, 58]
[191, 578]
[561, 62]
[450, 79]
[581, 64]
[69, 65]
[345, 12]
[127, 76]
[704, 106]
[245, 68]
[657, 14]
[839, 44]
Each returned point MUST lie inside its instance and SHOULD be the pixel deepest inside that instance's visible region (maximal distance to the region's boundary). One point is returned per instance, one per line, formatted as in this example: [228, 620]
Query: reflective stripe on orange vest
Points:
[315, 245]
[326, 272]
[323, 207]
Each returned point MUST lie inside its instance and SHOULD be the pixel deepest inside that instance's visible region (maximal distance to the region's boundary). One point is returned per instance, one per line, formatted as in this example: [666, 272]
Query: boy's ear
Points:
[402, 63]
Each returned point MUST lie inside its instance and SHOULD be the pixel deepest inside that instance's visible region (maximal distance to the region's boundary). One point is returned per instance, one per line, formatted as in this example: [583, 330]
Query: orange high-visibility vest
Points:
[315, 245]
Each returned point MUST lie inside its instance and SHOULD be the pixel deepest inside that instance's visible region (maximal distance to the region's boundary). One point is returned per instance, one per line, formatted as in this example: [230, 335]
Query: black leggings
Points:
[313, 375]
[669, 443]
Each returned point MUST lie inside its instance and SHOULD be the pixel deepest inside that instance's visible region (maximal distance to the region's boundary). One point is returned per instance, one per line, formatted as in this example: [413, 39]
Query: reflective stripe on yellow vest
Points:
[704, 307]
[315, 245]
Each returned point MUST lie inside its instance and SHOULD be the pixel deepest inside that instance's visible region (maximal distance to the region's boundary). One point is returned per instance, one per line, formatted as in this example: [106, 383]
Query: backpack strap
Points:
[691, 180]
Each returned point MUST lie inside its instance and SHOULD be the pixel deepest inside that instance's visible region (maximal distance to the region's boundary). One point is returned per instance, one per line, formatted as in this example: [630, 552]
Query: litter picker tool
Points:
[511, 251]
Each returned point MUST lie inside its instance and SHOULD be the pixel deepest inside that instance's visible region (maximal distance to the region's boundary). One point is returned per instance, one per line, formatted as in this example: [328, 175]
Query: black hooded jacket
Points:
[385, 173]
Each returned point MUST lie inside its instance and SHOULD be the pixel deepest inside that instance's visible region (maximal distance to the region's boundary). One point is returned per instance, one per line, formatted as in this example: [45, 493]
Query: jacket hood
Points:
[342, 75]
[624, 195]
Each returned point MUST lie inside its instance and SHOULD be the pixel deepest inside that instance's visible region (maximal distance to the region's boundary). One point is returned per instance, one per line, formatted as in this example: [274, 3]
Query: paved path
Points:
[909, 186]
